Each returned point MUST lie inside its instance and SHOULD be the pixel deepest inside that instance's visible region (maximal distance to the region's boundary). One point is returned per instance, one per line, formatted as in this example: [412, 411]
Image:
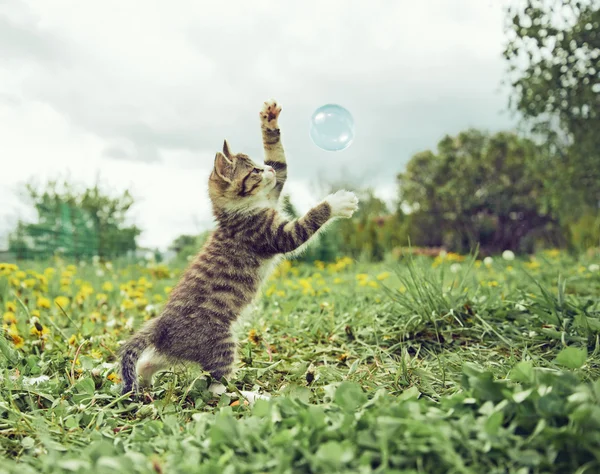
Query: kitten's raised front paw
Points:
[269, 114]
[343, 203]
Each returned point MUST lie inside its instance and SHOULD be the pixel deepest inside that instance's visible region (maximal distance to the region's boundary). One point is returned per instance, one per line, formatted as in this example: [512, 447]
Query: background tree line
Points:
[503, 191]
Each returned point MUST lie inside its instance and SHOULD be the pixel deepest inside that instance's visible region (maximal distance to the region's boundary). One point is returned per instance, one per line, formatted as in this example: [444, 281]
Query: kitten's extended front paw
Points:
[269, 115]
[343, 203]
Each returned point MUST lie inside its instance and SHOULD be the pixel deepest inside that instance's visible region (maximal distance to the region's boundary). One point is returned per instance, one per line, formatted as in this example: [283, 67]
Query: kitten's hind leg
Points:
[150, 362]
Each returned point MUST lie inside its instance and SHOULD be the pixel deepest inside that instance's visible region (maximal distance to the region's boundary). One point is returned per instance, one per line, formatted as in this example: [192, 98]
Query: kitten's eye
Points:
[256, 171]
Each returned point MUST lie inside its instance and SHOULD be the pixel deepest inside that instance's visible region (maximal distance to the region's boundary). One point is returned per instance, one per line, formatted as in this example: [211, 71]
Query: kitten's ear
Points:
[226, 151]
[223, 167]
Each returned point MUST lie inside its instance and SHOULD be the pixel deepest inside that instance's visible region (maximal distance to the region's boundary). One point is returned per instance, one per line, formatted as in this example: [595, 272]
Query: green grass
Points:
[432, 366]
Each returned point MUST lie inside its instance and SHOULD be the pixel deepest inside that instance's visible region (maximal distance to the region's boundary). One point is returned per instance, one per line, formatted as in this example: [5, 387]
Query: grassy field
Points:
[446, 365]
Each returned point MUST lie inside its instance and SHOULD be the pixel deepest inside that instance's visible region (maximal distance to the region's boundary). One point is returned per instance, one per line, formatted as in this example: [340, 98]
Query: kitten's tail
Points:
[130, 353]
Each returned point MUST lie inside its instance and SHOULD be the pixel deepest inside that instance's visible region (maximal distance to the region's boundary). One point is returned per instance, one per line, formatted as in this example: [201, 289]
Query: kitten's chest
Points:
[267, 267]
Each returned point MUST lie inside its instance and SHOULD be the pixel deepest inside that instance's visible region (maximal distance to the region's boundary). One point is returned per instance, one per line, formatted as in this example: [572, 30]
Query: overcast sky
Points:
[144, 92]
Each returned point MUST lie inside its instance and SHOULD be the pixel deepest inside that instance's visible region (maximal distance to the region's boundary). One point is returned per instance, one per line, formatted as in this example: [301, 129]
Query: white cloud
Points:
[146, 92]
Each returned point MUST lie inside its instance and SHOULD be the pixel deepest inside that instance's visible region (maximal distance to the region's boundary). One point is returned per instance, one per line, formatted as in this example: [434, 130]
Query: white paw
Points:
[269, 114]
[253, 396]
[343, 203]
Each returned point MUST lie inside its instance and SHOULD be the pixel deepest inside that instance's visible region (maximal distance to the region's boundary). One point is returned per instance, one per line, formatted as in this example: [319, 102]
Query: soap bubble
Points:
[332, 127]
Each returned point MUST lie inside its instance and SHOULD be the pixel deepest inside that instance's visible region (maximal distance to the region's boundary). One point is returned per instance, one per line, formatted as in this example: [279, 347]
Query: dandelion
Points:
[168, 289]
[73, 340]
[43, 303]
[337, 281]
[108, 286]
[9, 317]
[16, 339]
[127, 304]
[61, 301]
[508, 255]
[11, 306]
[455, 267]
[373, 284]
[533, 265]
[594, 267]
[38, 330]
[114, 378]
[95, 354]
[383, 276]
[492, 284]
[101, 297]
[254, 337]
[157, 298]
[487, 261]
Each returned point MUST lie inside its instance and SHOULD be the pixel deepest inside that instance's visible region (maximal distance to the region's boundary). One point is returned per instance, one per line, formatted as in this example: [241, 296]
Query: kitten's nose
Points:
[270, 168]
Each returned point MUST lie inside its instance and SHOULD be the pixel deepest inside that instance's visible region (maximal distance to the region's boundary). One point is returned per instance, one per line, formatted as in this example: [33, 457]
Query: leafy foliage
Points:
[470, 366]
[75, 223]
[481, 189]
[553, 54]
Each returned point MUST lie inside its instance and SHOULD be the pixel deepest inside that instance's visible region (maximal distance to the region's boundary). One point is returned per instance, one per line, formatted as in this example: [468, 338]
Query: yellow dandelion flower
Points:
[108, 286]
[157, 298]
[127, 304]
[168, 289]
[492, 283]
[254, 336]
[21, 275]
[533, 265]
[17, 340]
[383, 276]
[73, 340]
[373, 284]
[11, 306]
[337, 281]
[362, 276]
[43, 303]
[95, 354]
[95, 317]
[280, 293]
[62, 301]
[270, 291]
[29, 282]
[114, 378]
[402, 289]
[101, 296]
[9, 317]
[320, 265]
[35, 313]
[38, 330]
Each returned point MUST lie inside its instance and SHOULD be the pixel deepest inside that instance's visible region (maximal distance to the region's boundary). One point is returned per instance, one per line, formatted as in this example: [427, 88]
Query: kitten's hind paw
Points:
[269, 115]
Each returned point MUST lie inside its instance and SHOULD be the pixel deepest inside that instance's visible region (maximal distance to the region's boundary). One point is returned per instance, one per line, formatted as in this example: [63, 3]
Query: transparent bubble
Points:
[332, 127]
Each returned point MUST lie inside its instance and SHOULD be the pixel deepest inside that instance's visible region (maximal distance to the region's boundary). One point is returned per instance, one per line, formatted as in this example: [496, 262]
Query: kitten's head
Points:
[238, 184]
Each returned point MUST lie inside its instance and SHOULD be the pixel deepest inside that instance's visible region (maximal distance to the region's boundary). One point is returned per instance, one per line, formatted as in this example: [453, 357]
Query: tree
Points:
[479, 189]
[553, 54]
[73, 222]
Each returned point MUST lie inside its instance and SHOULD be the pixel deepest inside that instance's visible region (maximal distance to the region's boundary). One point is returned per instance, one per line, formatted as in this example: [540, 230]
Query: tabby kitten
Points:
[224, 278]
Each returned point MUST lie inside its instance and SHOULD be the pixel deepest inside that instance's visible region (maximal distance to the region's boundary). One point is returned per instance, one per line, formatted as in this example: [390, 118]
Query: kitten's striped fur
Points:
[225, 276]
